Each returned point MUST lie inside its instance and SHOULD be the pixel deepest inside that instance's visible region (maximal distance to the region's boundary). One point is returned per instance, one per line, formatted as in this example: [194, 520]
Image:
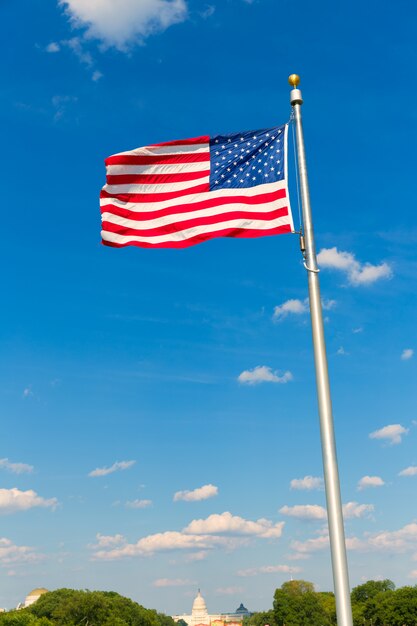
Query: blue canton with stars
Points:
[247, 159]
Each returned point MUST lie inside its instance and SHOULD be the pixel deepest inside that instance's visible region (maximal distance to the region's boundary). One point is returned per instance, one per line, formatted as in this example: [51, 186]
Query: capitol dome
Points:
[199, 604]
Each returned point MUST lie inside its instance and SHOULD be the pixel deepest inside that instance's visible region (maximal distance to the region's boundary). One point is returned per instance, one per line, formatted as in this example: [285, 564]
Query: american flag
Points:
[179, 193]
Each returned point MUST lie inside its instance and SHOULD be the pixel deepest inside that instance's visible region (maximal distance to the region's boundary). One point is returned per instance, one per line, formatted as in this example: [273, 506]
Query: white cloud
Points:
[166, 541]
[407, 354]
[311, 545]
[96, 76]
[401, 540]
[201, 493]
[409, 471]
[172, 582]
[298, 307]
[200, 535]
[13, 500]
[138, 504]
[16, 468]
[116, 467]
[355, 510]
[233, 524]
[269, 569]
[356, 272]
[370, 481]
[305, 511]
[293, 307]
[53, 47]
[341, 351]
[27, 392]
[11, 553]
[126, 22]
[307, 483]
[263, 374]
[322, 542]
[392, 432]
[228, 591]
[413, 573]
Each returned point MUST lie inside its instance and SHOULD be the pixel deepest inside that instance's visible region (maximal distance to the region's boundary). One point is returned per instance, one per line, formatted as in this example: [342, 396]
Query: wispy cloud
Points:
[61, 105]
[401, 540]
[409, 471]
[393, 433]
[407, 354]
[317, 544]
[342, 352]
[124, 23]
[305, 512]
[357, 273]
[263, 374]
[53, 47]
[173, 582]
[354, 510]
[16, 468]
[370, 481]
[14, 500]
[138, 504]
[12, 553]
[119, 466]
[108, 541]
[228, 591]
[196, 556]
[208, 11]
[201, 493]
[308, 483]
[269, 569]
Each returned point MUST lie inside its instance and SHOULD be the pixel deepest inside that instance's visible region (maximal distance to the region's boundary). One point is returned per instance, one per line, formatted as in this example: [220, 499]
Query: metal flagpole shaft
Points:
[331, 473]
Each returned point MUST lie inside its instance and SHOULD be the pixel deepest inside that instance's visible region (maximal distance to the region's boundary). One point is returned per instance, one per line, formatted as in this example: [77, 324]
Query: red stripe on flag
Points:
[153, 179]
[227, 232]
[157, 159]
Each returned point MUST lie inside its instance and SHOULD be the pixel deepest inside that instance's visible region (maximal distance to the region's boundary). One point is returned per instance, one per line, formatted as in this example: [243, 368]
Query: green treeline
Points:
[375, 603]
[66, 607]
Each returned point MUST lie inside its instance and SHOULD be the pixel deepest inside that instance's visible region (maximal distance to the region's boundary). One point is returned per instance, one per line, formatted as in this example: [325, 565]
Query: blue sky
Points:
[133, 457]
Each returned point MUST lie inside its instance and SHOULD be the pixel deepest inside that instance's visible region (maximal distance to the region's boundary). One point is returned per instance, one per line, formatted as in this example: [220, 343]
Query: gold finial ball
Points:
[294, 80]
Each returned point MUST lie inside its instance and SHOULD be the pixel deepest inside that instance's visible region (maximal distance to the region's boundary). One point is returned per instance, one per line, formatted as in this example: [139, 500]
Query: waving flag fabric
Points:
[179, 193]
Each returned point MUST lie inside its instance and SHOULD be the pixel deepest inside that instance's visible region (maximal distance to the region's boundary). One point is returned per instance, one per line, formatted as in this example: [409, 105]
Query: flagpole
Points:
[328, 444]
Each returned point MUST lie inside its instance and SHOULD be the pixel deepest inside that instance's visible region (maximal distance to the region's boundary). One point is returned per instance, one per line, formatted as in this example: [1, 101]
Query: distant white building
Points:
[31, 598]
[201, 617]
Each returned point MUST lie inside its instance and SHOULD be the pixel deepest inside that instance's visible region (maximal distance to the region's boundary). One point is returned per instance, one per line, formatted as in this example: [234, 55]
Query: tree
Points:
[67, 607]
[368, 590]
[371, 602]
[22, 618]
[260, 619]
[297, 604]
